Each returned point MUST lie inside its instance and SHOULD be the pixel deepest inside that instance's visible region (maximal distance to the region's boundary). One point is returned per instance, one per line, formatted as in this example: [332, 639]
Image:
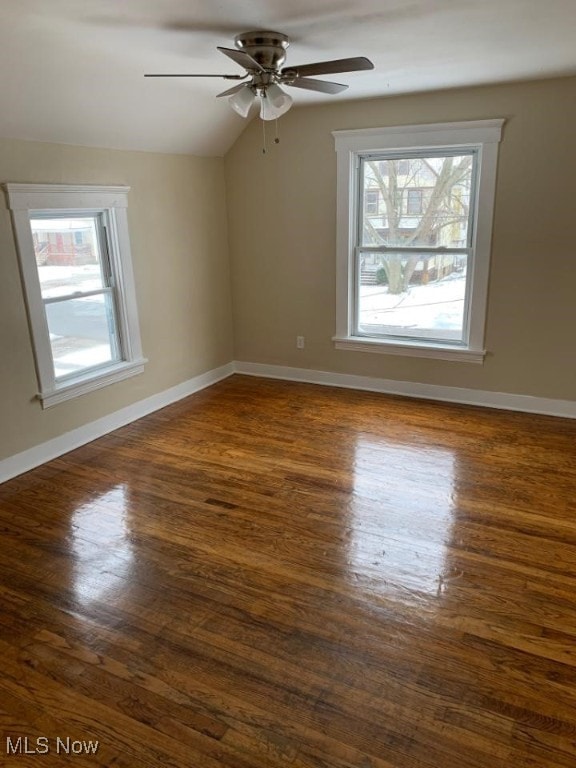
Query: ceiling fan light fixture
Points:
[262, 53]
[242, 100]
[274, 102]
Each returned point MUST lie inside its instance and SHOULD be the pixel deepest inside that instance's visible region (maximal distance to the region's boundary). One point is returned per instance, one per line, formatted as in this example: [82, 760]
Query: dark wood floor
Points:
[271, 574]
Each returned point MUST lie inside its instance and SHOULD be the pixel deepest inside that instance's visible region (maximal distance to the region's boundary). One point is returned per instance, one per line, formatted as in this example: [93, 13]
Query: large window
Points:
[412, 275]
[77, 277]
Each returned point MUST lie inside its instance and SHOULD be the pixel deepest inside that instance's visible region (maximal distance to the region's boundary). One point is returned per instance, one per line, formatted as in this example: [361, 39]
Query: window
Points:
[415, 280]
[414, 202]
[397, 168]
[371, 202]
[77, 277]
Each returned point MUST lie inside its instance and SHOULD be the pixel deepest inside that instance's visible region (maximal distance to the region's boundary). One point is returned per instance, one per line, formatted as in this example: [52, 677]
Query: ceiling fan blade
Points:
[226, 77]
[231, 91]
[323, 86]
[330, 67]
[241, 58]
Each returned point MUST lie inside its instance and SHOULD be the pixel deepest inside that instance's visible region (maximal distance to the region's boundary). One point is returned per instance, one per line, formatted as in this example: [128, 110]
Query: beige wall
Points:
[281, 227]
[177, 225]
[282, 239]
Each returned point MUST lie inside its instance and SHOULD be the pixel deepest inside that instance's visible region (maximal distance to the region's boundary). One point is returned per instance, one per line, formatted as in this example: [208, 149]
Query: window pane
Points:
[68, 255]
[371, 202]
[416, 295]
[425, 201]
[82, 333]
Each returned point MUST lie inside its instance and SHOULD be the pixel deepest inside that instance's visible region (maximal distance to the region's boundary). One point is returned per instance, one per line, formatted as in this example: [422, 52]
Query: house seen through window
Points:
[413, 253]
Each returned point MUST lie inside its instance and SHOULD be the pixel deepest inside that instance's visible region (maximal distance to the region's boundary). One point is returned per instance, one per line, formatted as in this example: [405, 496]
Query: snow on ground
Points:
[63, 280]
[436, 306]
[76, 328]
[80, 359]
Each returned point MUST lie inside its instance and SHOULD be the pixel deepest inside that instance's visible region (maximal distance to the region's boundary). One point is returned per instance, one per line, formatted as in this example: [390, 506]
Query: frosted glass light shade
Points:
[242, 101]
[274, 103]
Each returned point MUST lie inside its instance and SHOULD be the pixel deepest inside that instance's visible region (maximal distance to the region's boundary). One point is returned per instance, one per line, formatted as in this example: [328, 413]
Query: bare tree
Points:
[441, 208]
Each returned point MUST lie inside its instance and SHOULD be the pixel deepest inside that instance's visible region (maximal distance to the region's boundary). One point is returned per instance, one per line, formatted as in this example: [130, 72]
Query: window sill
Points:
[434, 351]
[90, 382]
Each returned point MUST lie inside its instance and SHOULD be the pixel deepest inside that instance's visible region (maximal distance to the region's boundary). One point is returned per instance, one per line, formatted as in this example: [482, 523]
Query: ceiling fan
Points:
[262, 55]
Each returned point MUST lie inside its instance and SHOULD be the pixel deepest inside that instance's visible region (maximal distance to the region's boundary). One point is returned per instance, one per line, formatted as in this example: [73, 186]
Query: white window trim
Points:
[27, 199]
[483, 135]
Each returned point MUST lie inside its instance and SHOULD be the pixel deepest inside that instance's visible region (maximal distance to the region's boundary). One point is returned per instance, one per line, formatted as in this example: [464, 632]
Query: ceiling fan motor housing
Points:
[267, 48]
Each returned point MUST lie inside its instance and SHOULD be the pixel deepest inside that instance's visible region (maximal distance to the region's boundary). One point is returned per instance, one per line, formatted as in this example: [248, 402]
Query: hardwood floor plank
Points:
[270, 574]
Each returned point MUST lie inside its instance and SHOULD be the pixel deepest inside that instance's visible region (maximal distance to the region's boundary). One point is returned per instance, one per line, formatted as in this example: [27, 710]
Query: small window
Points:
[77, 277]
[414, 202]
[371, 202]
[414, 281]
[78, 294]
[402, 167]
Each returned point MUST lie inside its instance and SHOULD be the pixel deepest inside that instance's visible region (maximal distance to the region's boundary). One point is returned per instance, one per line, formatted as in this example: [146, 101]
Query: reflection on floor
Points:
[271, 574]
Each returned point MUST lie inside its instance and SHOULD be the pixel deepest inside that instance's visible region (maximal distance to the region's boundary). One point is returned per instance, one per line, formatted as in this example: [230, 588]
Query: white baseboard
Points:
[40, 454]
[501, 400]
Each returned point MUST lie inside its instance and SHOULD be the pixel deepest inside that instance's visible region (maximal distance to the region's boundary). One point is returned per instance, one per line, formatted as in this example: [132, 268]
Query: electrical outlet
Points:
[299, 342]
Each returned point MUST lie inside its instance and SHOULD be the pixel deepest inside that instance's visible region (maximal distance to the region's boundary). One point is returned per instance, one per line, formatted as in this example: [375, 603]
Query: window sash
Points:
[78, 295]
[115, 338]
[109, 203]
[359, 181]
[428, 338]
[359, 248]
[99, 217]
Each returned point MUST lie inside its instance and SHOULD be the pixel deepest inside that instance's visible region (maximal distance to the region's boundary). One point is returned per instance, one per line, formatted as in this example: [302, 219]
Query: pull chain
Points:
[276, 138]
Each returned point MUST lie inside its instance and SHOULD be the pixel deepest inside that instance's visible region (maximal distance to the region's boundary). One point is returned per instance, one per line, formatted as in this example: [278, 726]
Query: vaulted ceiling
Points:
[72, 70]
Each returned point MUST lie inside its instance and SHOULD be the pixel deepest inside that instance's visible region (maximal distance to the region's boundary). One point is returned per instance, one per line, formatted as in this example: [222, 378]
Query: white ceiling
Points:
[72, 70]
